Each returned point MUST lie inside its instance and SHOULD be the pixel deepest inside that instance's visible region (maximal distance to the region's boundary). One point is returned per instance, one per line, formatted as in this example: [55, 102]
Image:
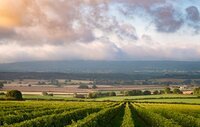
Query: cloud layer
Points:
[99, 30]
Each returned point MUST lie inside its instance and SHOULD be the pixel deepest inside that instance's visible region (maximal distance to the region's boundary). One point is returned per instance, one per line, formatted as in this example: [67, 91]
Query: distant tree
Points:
[167, 90]
[94, 86]
[146, 92]
[1, 85]
[177, 91]
[44, 93]
[83, 86]
[161, 92]
[14, 94]
[196, 91]
[2, 93]
[133, 93]
[112, 93]
[155, 92]
[92, 95]
[50, 94]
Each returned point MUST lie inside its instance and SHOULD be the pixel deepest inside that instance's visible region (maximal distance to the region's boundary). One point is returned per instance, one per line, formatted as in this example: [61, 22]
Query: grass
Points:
[144, 98]
[122, 98]
[56, 97]
[197, 101]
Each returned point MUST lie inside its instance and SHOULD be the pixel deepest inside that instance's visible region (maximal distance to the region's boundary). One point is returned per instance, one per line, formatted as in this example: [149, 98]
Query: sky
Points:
[37, 30]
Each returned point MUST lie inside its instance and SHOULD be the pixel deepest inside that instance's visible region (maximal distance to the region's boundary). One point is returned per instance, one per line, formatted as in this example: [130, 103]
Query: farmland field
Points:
[194, 101]
[97, 114]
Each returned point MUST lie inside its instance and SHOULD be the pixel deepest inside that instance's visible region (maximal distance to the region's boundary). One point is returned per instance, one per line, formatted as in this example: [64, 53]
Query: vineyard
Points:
[97, 114]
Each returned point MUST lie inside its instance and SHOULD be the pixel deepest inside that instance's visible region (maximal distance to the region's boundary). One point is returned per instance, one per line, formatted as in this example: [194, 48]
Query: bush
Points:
[177, 91]
[92, 95]
[44, 93]
[14, 94]
[162, 92]
[133, 93]
[156, 92]
[196, 91]
[50, 94]
[167, 90]
[112, 94]
[2, 93]
[47, 94]
[146, 92]
[1, 85]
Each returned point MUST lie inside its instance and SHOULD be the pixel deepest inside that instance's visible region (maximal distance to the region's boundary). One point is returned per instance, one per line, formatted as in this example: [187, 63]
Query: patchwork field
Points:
[97, 114]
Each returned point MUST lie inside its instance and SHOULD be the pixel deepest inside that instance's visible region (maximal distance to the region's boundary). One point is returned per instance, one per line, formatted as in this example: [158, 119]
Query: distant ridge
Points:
[101, 66]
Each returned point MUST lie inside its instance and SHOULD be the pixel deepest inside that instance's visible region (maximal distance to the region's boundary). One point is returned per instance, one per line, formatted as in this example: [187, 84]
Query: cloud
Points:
[193, 14]
[167, 19]
[97, 29]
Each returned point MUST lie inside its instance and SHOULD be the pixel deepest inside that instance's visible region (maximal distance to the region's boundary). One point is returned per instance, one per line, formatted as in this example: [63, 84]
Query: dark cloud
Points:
[167, 19]
[193, 14]
[147, 4]
[6, 33]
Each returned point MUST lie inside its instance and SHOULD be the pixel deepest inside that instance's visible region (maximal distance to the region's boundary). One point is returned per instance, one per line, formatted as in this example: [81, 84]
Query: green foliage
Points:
[14, 94]
[96, 114]
[47, 94]
[101, 94]
[44, 93]
[154, 119]
[100, 119]
[196, 91]
[92, 95]
[156, 92]
[127, 119]
[146, 92]
[2, 93]
[167, 90]
[58, 120]
[1, 85]
[133, 93]
[112, 93]
[177, 91]
[183, 119]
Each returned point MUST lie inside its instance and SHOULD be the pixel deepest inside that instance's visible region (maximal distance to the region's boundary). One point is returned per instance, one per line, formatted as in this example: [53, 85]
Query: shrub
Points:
[177, 91]
[146, 92]
[14, 94]
[1, 84]
[133, 93]
[92, 95]
[155, 92]
[2, 93]
[50, 94]
[44, 93]
[112, 94]
[167, 90]
[196, 91]
[47, 94]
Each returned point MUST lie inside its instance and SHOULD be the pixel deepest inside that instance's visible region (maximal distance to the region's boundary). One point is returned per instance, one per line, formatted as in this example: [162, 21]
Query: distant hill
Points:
[101, 66]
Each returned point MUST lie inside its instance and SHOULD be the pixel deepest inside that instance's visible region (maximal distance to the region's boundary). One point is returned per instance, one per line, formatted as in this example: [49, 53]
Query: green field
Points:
[194, 101]
[144, 98]
[97, 114]
[122, 98]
